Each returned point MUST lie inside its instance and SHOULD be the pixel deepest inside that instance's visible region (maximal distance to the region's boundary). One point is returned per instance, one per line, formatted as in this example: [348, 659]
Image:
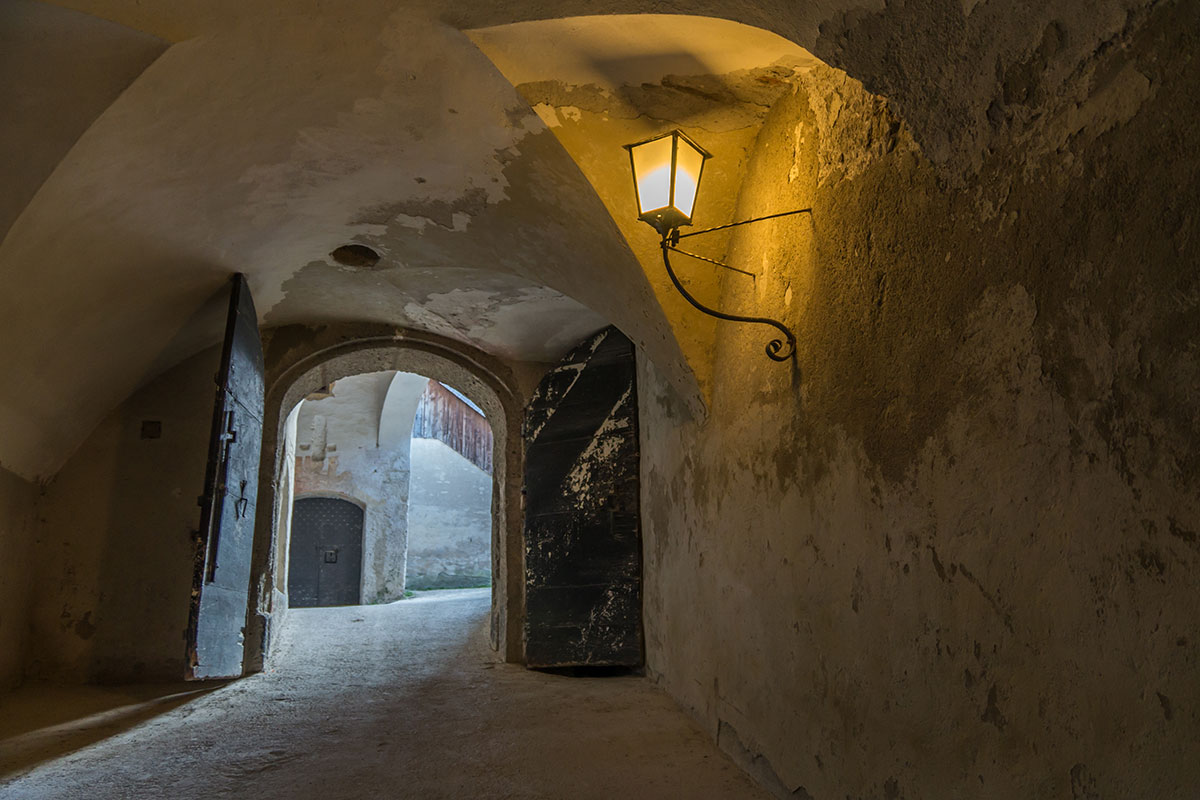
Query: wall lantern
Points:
[666, 180]
[666, 176]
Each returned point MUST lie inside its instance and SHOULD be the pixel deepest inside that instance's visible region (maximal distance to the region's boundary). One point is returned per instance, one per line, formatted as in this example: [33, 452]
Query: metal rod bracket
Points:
[777, 349]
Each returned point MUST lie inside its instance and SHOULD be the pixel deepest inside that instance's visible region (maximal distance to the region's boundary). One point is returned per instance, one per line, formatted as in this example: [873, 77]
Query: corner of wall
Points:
[17, 532]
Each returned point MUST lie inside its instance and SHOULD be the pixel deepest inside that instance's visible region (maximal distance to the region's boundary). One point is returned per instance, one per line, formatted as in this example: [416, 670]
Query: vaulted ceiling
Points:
[161, 147]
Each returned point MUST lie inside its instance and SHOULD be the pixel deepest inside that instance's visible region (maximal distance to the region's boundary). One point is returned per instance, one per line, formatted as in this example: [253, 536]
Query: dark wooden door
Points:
[583, 538]
[221, 583]
[325, 555]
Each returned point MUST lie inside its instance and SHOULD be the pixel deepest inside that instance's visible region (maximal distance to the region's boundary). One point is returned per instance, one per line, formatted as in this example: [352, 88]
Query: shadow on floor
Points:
[592, 671]
[39, 722]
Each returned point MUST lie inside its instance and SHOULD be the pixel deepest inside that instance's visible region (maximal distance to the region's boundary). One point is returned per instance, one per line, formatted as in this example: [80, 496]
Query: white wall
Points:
[449, 519]
[950, 550]
[339, 453]
[113, 560]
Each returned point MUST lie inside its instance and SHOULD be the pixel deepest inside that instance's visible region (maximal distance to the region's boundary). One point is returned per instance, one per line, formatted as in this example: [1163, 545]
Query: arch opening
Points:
[396, 377]
[391, 480]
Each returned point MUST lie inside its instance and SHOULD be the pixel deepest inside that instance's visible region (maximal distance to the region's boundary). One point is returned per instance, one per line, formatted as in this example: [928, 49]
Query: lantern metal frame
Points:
[668, 217]
[668, 229]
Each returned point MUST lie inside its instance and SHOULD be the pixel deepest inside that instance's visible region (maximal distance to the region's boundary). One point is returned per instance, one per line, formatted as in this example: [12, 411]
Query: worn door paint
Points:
[221, 582]
[325, 555]
[582, 526]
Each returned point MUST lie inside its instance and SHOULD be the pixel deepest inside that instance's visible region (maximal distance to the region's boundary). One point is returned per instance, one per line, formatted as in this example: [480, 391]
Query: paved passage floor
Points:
[395, 701]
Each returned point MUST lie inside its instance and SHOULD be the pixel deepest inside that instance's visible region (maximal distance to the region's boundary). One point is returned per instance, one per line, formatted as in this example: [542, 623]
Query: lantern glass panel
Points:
[652, 168]
[688, 164]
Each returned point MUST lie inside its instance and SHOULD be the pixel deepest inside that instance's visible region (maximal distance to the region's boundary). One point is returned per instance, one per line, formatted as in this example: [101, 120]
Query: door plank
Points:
[221, 581]
[582, 521]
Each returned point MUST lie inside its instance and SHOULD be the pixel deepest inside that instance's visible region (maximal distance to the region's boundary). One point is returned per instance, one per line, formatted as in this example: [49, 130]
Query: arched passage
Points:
[317, 357]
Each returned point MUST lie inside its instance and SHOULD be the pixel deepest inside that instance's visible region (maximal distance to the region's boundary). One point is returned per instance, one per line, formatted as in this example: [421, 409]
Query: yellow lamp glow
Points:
[666, 177]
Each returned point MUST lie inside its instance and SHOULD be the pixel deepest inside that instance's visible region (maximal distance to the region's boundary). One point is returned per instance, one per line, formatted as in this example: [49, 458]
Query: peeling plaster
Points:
[949, 531]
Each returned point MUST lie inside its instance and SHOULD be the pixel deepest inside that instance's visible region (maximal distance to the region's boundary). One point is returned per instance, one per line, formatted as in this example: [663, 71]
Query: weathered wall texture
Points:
[449, 519]
[954, 551]
[338, 452]
[17, 498]
[285, 484]
[113, 555]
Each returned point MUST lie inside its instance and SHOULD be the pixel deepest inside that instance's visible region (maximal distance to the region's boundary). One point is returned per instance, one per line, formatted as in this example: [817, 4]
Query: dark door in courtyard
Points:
[221, 579]
[325, 556]
[583, 536]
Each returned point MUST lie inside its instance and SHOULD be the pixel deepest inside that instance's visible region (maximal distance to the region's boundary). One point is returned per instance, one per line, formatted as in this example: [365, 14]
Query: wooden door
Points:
[325, 554]
[583, 539]
[221, 582]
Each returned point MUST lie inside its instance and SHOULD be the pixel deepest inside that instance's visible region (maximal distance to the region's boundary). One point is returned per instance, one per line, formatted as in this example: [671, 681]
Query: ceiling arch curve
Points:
[231, 152]
[267, 134]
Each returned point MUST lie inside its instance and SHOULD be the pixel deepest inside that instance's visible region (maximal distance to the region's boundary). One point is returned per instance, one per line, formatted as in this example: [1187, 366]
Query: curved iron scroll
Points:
[777, 350]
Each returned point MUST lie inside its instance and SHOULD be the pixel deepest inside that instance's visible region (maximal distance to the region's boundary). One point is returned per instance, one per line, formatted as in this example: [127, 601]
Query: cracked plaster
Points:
[954, 549]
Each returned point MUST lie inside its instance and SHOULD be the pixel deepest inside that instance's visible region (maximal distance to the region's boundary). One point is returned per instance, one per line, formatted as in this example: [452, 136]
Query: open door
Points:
[221, 582]
[583, 538]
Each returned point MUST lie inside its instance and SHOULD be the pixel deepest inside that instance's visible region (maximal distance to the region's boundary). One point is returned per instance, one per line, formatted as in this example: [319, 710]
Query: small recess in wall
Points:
[357, 256]
[151, 429]
[321, 394]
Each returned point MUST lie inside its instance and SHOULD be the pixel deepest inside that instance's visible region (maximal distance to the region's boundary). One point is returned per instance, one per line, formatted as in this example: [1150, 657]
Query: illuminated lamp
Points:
[666, 181]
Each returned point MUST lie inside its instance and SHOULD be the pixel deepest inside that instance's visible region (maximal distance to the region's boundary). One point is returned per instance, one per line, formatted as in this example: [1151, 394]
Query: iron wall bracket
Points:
[777, 349]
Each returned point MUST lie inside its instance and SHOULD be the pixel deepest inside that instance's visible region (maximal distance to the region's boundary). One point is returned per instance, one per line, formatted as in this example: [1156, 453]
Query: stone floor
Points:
[396, 701]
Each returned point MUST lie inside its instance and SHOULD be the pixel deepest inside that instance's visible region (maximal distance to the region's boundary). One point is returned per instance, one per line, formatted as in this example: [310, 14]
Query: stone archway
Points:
[301, 360]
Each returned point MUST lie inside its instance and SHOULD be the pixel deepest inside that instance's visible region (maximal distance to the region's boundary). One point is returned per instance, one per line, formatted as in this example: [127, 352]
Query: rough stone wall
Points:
[17, 498]
[449, 519]
[953, 550]
[112, 561]
[338, 453]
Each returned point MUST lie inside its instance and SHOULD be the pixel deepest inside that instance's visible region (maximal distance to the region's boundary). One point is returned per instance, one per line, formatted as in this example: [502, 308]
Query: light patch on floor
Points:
[406, 700]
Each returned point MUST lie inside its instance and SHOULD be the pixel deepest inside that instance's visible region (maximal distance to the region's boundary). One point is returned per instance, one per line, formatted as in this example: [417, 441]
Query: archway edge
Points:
[351, 351]
[301, 359]
[330, 495]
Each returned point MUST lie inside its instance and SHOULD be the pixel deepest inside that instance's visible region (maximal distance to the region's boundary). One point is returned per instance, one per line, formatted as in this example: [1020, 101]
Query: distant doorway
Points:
[325, 554]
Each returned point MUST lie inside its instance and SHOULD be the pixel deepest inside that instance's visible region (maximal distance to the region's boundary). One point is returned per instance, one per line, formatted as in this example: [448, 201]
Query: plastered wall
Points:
[952, 551]
[17, 498]
[339, 452]
[449, 519]
[112, 562]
